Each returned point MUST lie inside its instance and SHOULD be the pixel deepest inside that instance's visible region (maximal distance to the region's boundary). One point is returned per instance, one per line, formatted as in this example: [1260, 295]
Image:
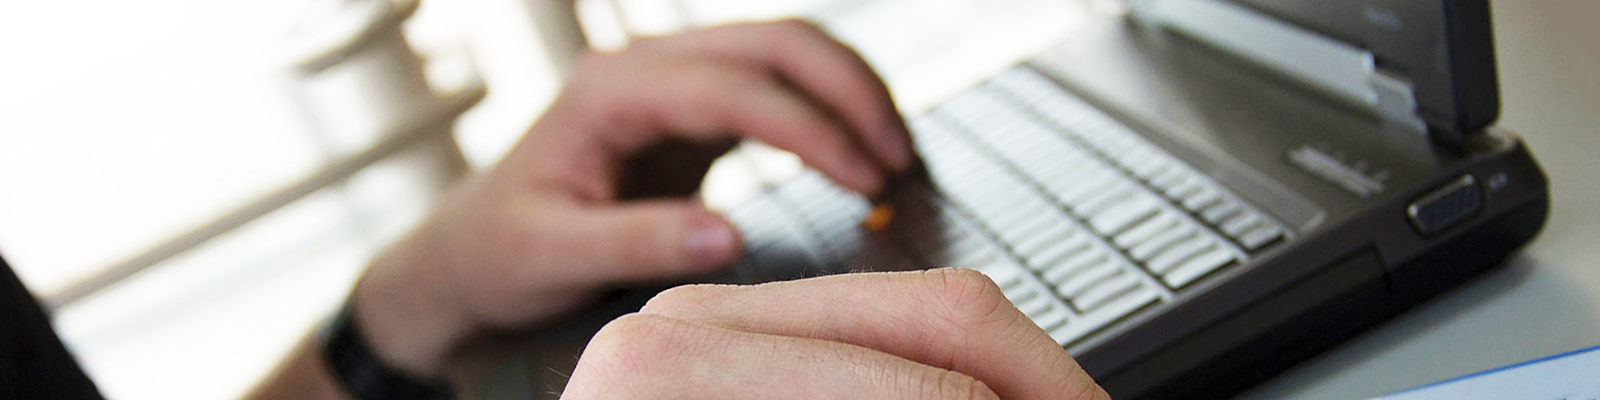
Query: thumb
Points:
[652, 240]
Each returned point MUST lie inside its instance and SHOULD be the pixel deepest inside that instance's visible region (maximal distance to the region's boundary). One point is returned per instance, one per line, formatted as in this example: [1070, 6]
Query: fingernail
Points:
[711, 243]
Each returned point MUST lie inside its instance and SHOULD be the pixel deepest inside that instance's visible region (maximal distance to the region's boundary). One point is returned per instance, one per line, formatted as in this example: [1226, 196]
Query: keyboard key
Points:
[982, 254]
[1040, 223]
[975, 251]
[1021, 293]
[1169, 178]
[1075, 192]
[1261, 237]
[1145, 162]
[1069, 333]
[1241, 223]
[962, 238]
[1018, 137]
[1149, 229]
[1072, 167]
[1202, 199]
[1058, 274]
[1046, 168]
[1119, 285]
[1122, 191]
[1143, 252]
[972, 179]
[1002, 276]
[1119, 217]
[1078, 284]
[1185, 189]
[1015, 218]
[1051, 318]
[1198, 266]
[1105, 315]
[759, 222]
[1058, 233]
[1036, 305]
[1170, 258]
[1222, 210]
[1061, 253]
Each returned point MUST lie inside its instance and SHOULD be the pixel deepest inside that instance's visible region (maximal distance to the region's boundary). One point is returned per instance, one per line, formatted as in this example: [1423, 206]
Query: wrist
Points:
[356, 368]
[407, 314]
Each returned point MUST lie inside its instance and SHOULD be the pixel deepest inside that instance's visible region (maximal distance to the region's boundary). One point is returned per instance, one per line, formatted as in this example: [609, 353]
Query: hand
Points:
[596, 194]
[941, 334]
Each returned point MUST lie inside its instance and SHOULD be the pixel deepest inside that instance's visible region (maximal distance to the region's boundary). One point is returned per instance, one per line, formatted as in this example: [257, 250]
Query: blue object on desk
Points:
[1572, 375]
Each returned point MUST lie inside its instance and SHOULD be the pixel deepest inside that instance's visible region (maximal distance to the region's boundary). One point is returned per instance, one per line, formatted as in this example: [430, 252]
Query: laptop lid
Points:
[1428, 63]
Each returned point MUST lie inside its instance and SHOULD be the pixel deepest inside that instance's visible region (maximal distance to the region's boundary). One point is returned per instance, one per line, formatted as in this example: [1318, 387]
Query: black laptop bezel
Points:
[1444, 47]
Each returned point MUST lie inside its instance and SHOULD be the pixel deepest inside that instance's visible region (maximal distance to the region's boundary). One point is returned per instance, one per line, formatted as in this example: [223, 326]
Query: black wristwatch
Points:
[364, 375]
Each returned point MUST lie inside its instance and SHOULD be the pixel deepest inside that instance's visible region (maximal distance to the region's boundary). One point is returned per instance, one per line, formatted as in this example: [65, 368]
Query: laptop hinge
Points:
[1327, 65]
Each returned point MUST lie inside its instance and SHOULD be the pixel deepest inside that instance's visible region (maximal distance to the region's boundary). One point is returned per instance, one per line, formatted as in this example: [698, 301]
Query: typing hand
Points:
[941, 334]
[596, 194]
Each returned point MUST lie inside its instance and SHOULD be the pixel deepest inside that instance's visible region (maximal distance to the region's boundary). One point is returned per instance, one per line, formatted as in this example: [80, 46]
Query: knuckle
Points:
[950, 385]
[970, 295]
[723, 79]
[629, 347]
[634, 343]
[672, 300]
[703, 84]
[966, 301]
[706, 90]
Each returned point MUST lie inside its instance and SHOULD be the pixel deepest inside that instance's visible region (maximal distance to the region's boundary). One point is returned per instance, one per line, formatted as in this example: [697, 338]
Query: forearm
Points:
[304, 375]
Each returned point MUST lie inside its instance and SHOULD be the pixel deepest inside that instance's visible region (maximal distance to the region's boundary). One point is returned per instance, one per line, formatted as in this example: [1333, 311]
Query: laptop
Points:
[1194, 195]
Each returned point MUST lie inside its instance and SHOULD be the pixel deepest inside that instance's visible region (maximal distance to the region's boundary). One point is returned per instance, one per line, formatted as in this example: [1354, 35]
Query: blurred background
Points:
[193, 185]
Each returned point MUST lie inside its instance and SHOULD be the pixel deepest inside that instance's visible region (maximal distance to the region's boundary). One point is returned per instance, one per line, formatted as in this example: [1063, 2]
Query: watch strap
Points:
[365, 375]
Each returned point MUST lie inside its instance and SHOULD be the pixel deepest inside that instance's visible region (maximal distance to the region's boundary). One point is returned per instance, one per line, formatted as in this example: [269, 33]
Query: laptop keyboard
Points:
[1080, 221]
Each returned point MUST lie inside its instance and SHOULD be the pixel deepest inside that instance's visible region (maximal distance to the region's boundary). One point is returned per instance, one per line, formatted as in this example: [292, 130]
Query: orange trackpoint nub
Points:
[879, 218]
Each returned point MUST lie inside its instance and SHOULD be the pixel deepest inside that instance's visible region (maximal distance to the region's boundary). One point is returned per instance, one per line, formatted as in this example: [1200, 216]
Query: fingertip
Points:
[897, 140]
[864, 177]
[711, 242]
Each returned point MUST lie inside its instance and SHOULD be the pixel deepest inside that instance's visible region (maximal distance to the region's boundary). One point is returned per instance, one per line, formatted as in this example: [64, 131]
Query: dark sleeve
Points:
[33, 362]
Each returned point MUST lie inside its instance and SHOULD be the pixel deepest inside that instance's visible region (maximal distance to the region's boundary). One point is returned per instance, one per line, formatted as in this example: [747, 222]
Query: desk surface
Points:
[1546, 301]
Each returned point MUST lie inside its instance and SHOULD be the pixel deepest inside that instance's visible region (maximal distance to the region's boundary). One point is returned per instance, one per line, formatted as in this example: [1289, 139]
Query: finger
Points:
[655, 357]
[953, 319]
[700, 99]
[821, 67]
[641, 241]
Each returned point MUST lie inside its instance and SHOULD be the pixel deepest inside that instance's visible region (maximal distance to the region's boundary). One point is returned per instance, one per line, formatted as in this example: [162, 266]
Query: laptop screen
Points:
[1444, 47]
